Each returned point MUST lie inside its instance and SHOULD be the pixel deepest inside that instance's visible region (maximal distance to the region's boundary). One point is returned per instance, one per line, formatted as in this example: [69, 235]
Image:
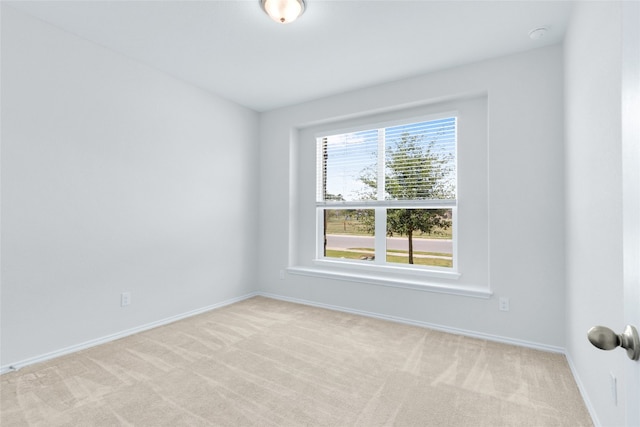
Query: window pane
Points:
[349, 233]
[344, 166]
[420, 160]
[420, 237]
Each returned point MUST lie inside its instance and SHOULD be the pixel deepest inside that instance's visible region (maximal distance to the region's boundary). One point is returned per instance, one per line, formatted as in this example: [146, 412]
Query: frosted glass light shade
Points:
[283, 11]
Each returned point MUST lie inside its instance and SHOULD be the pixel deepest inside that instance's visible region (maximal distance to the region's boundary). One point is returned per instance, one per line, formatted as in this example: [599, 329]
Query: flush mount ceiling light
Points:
[283, 11]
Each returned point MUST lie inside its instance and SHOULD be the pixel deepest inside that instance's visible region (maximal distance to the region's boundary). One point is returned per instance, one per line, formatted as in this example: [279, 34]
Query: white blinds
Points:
[409, 162]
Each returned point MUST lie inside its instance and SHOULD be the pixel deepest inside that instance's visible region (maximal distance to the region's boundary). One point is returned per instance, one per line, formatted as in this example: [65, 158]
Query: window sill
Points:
[369, 268]
[329, 270]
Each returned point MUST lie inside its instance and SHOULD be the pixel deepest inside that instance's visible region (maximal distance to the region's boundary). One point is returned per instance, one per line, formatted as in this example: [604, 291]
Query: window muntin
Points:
[405, 175]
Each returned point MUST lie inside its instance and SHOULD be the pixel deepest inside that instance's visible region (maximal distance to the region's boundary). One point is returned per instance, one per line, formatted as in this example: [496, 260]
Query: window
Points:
[387, 196]
[349, 187]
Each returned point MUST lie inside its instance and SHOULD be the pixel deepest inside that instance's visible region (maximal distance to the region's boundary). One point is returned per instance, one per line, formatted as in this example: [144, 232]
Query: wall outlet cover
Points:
[125, 299]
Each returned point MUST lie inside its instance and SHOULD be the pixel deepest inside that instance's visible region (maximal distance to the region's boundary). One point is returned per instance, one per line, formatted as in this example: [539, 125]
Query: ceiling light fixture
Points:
[283, 11]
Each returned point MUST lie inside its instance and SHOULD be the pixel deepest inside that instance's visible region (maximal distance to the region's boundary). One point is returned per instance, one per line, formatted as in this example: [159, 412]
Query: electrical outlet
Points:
[281, 274]
[125, 299]
[504, 304]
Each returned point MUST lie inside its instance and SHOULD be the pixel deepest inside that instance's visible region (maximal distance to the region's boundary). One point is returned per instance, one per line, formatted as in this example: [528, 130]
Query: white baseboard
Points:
[92, 343]
[490, 337]
[456, 331]
[583, 392]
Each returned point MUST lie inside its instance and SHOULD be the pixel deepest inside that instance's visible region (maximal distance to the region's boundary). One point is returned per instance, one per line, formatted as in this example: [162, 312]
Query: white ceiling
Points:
[233, 49]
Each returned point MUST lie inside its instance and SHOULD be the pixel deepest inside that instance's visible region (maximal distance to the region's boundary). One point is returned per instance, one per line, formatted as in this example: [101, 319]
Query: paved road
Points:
[341, 241]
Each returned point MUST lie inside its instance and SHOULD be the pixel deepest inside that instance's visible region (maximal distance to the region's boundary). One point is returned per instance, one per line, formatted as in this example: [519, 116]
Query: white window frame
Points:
[380, 265]
[471, 243]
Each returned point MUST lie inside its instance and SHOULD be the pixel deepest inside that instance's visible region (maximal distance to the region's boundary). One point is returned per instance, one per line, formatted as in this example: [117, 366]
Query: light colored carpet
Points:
[263, 362]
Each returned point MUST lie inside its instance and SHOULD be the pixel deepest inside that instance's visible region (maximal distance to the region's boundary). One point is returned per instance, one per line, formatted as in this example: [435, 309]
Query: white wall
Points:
[115, 178]
[118, 178]
[526, 199]
[594, 199]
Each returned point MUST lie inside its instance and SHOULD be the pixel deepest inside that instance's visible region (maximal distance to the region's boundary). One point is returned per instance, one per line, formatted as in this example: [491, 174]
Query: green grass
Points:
[337, 225]
[439, 262]
[332, 253]
[406, 252]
